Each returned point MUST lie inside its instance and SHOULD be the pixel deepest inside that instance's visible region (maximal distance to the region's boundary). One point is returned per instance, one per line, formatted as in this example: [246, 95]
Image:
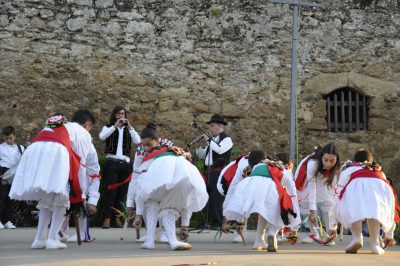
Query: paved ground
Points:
[109, 250]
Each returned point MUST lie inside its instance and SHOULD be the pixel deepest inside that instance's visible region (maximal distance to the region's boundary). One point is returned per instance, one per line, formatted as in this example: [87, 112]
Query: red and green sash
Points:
[60, 135]
[274, 172]
[368, 173]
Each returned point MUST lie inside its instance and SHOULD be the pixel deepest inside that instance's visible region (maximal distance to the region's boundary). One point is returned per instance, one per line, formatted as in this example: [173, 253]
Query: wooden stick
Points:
[137, 233]
[78, 231]
[341, 232]
[124, 229]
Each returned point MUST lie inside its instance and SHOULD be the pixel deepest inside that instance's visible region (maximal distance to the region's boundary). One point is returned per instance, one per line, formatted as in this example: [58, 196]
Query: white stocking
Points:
[374, 228]
[44, 221]
[57, 220]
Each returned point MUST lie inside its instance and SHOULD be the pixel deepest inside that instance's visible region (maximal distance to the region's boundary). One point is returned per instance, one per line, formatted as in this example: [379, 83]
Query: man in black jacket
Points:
[217, 155]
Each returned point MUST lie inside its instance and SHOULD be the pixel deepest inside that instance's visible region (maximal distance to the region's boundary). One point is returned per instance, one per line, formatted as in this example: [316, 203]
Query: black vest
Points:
[112, 142]
[220, 159]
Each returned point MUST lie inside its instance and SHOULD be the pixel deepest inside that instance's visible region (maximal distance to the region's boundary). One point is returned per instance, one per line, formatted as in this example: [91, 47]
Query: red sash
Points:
[154, 153]
[230, 173]
[366, 173]
[149, 156]
[285, 199]
[60, 135]
[302, 174]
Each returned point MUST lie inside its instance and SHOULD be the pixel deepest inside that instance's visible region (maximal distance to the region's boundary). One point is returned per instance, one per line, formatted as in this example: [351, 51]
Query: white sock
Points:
[374, 228]
[83, 225]
[57, 220]
[272, 230]
[356, 232]
[44, 221]
[151, 219]
[261, 228]
[168, 221]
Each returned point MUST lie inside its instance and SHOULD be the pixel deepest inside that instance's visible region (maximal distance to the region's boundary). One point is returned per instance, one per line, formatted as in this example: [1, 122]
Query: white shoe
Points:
[178, 245]
[163, 237]
[353, 247]
[260, 245]
[64, 238]
[148, 245]
[74, 238]
[333, 243]
[377, 250]
[9, 225]
[38, 244]
[1, 226]
[142, 239]
[237, 239]
[54, 244]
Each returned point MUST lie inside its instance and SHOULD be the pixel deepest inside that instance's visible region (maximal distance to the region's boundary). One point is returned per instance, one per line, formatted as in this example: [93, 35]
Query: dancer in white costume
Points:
[230, 176]
[263, 193]
[363, 192]
[291, 236]
[315, 179]
[90, 183]
[133, 185]
[169, 185]
[48, 173]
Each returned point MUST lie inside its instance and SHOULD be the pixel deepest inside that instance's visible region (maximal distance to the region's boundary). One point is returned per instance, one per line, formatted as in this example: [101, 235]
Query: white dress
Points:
[364, 198]
[43, 172]
[173, 182]
[243, 163]
[315, 191]
[258, 194]
[137, 163]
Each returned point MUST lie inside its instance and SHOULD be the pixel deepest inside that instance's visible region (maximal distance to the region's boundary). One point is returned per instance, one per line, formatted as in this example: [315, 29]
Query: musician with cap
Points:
[217, 155]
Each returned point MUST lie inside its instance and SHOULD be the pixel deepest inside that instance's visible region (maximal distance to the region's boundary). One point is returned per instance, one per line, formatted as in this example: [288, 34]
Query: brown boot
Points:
[106, 223]
[118, 223]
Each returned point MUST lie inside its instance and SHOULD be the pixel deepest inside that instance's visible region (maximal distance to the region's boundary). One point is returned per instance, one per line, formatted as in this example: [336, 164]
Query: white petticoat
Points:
[175, 183]
[366, 198]
[42, 175]
[255, 194]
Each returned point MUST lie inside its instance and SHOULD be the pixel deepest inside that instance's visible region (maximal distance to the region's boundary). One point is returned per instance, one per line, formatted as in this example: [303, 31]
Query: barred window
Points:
[347, 110]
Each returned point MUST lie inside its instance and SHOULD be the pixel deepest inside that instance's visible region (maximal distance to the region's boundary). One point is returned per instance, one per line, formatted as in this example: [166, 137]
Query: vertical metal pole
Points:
[293, 93]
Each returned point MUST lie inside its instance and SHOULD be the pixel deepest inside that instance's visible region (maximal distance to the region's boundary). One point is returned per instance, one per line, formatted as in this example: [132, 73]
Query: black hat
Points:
[217, 119]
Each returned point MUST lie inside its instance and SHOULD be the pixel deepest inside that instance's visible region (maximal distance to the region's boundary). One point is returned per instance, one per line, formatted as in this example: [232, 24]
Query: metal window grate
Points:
[347, 110]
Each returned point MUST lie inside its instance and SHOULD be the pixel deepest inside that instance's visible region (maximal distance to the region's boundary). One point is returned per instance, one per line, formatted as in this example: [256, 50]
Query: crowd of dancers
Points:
[60, 170]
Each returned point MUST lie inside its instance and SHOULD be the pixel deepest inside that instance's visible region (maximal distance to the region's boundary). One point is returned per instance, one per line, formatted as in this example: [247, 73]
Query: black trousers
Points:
[6, 204]
[115, 172]
[215, 200]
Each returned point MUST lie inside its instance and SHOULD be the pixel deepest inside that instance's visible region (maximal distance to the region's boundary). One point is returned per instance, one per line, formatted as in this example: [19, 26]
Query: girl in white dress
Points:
[168, 185]
[264, 192]
[49, 173]
[363, 192]
[315, 179]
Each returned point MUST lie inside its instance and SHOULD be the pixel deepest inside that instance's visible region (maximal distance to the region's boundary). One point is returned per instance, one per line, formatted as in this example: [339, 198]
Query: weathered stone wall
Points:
[170, 61]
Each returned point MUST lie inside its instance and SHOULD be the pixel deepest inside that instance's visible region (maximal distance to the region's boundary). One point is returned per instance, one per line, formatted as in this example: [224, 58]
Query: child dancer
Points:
[48, 173]
[263, 192]
[315, 178]
[168, 185]
[363, 192]
[230, 176]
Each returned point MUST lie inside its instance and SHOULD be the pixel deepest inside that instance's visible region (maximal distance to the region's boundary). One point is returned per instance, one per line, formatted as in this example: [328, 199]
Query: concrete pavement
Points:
[108, 249]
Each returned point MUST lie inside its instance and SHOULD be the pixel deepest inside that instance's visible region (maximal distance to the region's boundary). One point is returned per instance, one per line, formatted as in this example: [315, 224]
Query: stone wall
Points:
[170, 61]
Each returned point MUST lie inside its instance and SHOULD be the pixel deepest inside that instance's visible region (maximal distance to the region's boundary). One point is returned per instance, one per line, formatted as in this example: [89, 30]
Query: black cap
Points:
[217, 119]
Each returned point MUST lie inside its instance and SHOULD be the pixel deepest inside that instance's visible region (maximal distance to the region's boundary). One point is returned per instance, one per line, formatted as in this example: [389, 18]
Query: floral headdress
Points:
[55, 121]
